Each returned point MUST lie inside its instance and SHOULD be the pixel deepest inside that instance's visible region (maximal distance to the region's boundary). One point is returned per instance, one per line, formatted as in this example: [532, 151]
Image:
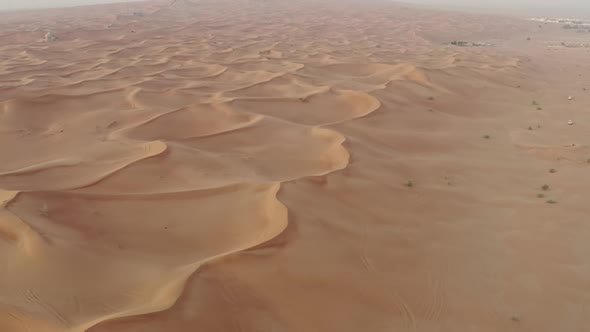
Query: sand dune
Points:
[290, 166]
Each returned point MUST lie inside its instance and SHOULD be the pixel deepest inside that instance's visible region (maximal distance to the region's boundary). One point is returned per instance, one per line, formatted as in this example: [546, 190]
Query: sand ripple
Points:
[138, 135]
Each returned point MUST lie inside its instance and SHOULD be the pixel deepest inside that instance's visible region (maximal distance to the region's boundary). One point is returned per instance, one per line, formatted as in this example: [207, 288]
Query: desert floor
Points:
[292, 166]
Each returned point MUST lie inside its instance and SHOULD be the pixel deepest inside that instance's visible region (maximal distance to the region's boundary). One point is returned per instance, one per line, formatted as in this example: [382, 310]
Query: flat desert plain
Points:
[292, 166]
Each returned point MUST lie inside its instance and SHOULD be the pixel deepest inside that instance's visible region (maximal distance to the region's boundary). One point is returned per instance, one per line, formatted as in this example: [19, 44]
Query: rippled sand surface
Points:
[289, 166]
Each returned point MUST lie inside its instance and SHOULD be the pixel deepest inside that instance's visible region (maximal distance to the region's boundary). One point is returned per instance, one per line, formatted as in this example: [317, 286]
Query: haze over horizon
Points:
[499, 4]
[547, 8]
[504, 3]
[40, 4]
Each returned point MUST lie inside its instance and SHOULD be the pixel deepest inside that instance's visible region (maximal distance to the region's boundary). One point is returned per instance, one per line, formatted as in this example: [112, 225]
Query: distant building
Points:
[50, 37]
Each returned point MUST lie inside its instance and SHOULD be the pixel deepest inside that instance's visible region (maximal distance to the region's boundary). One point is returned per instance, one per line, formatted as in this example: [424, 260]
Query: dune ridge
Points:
[167, 292]
[147, 128]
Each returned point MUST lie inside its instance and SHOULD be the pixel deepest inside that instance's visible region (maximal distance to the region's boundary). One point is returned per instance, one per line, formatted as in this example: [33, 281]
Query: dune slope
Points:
[252, 166]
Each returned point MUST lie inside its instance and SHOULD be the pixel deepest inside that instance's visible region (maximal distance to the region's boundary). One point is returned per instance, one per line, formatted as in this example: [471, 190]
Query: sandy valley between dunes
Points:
[292, 166]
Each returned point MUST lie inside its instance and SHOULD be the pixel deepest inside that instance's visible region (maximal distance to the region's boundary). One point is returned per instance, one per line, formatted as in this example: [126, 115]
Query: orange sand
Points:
[237, 165]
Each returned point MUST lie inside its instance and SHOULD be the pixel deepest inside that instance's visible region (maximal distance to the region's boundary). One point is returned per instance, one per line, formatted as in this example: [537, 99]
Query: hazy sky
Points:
[549, 8]
[21, 4]
[507, 3]
[557, 4]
